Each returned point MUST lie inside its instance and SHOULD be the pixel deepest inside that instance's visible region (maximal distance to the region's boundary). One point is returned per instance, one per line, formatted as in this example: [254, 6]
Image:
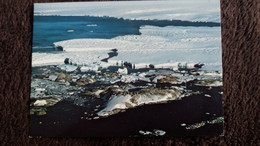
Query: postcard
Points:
[126, 69]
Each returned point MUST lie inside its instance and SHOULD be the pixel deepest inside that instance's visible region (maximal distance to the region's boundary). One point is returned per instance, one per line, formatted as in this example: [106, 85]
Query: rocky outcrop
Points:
[195, 126]
[208, 82]
[85, 81]
[62, 77]
[217, 120]
[39, 111]
[168, 79]
[121, 99]
[155, 132]
[57, 77]
[39, 106]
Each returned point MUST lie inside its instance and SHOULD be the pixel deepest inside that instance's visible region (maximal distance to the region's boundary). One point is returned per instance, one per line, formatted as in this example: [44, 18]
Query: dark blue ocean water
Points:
[50, 29]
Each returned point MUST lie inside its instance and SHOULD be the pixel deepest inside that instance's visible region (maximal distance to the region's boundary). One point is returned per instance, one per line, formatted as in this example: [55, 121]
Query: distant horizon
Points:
[203, 10]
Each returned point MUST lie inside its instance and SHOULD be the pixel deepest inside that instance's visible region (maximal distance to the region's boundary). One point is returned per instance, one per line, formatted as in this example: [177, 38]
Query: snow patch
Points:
[121, 102]
[67, 68]
[122, 71]
[52, 77]
[93, 67]
[40, 103]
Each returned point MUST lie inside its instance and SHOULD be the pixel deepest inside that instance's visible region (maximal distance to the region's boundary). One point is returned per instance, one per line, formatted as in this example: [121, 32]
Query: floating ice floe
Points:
[145, 132]
[207, 95]
[91, 25]
[217, 120]
[67, 67]
[39, 89]
[133, 78]
[70, 30]
[183, 124]
[155, 132]
[96, 118]
[158, 132]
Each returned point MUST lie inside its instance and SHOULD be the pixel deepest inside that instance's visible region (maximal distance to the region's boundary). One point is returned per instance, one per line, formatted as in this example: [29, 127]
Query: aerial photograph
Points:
[126, 69]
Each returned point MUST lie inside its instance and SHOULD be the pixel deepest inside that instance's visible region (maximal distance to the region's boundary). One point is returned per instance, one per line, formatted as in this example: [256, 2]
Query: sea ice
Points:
[161, 46]
[67, 68]
[39, 89]
[158, 132]
[202, 10]
[70, 30]
[145, 132]
[183, 124]
[86, 57]
[122, 71]
[92, 67]
[52, 77]
[207, 95]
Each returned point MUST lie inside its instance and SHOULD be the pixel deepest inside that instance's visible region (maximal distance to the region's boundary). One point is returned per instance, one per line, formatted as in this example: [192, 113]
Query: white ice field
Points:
[190, 10]
[155, 45]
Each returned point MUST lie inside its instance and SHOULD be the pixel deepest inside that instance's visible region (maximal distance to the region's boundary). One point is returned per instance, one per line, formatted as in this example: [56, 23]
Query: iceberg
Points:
[70, 30]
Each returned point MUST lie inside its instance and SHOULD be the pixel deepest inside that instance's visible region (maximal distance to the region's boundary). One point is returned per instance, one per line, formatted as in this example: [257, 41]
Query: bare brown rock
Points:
[85, 81]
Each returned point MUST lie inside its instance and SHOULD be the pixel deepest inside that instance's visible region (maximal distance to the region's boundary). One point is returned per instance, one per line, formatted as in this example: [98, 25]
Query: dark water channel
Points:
[64, 119]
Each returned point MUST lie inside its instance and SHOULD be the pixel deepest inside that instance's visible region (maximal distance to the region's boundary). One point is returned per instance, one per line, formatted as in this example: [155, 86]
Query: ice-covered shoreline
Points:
[118, 90]
[155, 45]
[85, 57]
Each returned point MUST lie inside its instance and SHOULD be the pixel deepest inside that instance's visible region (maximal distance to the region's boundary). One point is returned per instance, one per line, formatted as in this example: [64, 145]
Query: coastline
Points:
[147, 78]
[85, 100]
